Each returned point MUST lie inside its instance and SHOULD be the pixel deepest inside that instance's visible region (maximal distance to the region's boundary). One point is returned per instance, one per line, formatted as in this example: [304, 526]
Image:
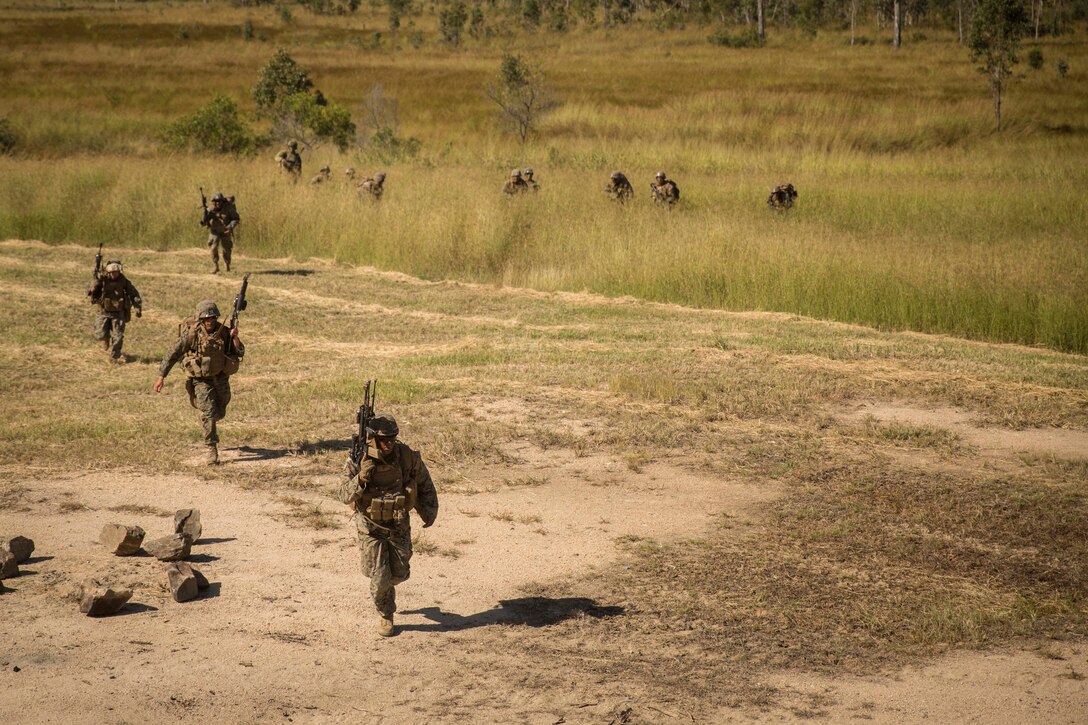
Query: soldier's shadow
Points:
[525, 612]
[250, 453]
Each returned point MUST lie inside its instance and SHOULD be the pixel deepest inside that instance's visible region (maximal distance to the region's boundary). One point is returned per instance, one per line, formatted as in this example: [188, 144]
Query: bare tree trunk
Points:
[897, 29]
[959, 18]
[1038, 17]
[760, 29]
[997, 100]
[853, 17]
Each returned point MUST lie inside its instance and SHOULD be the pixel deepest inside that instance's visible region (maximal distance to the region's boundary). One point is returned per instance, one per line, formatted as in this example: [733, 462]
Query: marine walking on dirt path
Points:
[210, 353]
[515, 184]
[222, 219]
[619, 188]
[664, 190]
[387, 482]
[290, 161]
[373, 186]
[116, 298]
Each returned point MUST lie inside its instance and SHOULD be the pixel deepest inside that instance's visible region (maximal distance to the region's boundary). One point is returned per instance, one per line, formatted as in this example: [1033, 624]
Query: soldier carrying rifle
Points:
[221, 221]
[384, 481]
[116, 298]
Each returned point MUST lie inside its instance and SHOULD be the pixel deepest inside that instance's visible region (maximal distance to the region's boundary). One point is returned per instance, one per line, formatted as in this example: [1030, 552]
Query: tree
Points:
[282, 94]
[451, 23]
[216, 128]
[522, 95]
[996, 31]
[897, 24]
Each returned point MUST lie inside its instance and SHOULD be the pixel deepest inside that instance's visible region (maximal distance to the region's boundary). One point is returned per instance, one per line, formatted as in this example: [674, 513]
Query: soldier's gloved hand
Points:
[351, 468]
[139, 312]
[209, 242]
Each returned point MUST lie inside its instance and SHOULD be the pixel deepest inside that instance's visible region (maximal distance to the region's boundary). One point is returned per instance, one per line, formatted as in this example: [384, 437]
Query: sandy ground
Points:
[285, 633]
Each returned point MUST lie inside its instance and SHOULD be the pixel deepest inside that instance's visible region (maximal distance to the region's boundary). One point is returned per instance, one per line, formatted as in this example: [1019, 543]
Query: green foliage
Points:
[996, 31]
[1035, 59]
[9, 137]
[476, 27]
[312, 119]
[531, 14]
[281, 77]
[397, 10]
[522, 95]
[387, 147]
[247, 30]
[1063, 67]
[451, 23]
[743, 39]
[330, 7]
[216, 128]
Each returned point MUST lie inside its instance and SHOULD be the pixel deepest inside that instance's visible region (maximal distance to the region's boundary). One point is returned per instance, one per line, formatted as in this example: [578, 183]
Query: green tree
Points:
[451, 22]
[280, 77]
[283, 95]
[996, 31]
[522, 94]
[216, 128]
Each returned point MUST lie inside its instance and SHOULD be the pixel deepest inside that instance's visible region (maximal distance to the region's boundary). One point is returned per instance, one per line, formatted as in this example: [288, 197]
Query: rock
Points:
[201, 580]
[122, 540]
[174, 547]
[187, 521]
[183, 583]
[20, 546]
[8, 566]
[97, 600]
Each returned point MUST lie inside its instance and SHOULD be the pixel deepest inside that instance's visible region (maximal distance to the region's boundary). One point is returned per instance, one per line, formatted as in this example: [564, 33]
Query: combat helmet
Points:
[293, 145]
[325, 170]
[659, 175]
[218, 196]
[528, 170]
[379, 177]
[113, 265]
[206, 309]
[383, 426]
[515, 174]
[617, 175]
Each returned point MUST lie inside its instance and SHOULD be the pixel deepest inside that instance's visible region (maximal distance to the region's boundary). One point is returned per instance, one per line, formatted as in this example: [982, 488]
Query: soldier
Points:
[209, 354]
[350, 173]
[515, 184]
[221, 221]
[389, 481]
[290, 161]
[532, 184]
[374, 186]
[322, 176]
[619, 188]
[782, 197]
[116, 297]
[664, 190]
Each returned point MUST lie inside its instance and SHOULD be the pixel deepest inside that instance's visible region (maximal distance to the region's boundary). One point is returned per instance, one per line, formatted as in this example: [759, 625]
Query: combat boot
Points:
[216, 270]
[385, 625]
[227, 262]
[106, 345]
[212, 455]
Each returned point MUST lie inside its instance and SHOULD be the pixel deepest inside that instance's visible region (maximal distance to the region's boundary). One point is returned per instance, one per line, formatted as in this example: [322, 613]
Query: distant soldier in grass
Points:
[782, 197]
[221, 220]
[515, 184]
[323, 175]
[290, 161]
[373, 186]
[350, 173]
[387, 482]
[116, 297]
[664, 190]
[619, 188]
[529, 180]
[209, 353]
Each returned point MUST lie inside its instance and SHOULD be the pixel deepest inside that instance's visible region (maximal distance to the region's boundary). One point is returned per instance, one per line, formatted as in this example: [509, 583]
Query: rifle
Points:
[361, 439]
[239, 303]
[97, 268]
[204, 204]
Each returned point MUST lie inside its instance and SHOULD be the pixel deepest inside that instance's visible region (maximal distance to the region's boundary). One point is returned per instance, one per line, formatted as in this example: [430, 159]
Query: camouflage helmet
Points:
[293, 145]
[113, 265]
[617, 175]
[379, 177]
[383, 426]
[350, 171]
[659, 175]
[515, 174]
[528, 170]
[218, 196]
[325, 170]
[207, 309]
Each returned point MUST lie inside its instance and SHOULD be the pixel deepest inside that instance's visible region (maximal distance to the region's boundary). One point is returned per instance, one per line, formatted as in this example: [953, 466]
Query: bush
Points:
[386, 146]
[744, 39]
[1063, 67]
[9, 137]
[215, 128]
[451, 23]
[1035, 59]
[247, 30]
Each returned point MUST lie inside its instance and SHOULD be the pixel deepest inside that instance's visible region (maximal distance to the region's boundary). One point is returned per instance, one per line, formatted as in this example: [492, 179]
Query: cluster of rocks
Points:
[184, 579]
[13, 552]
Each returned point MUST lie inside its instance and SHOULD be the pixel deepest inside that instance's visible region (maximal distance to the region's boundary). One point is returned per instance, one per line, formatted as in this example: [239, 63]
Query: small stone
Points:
[174, 547]
[20, 546]
[187, 521]
[97, 600]
[183, 584]
[8, 566]
[122, 540]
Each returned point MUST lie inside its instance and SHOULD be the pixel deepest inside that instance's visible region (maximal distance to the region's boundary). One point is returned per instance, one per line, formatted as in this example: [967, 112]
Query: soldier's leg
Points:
[204, 400]
[374, 560]
[221, 385]
[400, 554]
[102, 330]
[228, 245]
[117, 337]
[213, 242]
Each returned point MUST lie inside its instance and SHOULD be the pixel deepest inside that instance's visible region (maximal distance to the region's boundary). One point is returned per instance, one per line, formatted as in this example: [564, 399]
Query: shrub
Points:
[744, 39]
[451, 23]
[215, 128]
[1035, 59]
[247, 30]
[9, 137]
[1063, 67]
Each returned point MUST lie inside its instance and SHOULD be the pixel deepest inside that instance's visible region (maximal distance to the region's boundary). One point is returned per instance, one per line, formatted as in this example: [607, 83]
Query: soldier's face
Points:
[385, 445]
[114, 274]
[209, 323]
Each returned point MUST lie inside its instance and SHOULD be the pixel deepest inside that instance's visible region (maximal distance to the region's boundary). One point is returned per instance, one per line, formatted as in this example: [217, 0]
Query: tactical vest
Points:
[114, 297]
[207, 355]
[218, 223]
[388, 497]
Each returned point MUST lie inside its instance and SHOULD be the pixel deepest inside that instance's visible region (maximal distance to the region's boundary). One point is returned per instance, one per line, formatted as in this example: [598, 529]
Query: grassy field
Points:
[913, 214]
[932, 542]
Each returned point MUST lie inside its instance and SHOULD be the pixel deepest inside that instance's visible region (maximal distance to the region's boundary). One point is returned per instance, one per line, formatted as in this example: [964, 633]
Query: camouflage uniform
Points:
[350, 173]
[221, 221]
[290, 161]
[209, 359]
[782, 196]
[515, 184]
[529, 181]
[373, 186]
[385, 545]
[664, 191]
[619, 188]
[116, 298]
[322, 176]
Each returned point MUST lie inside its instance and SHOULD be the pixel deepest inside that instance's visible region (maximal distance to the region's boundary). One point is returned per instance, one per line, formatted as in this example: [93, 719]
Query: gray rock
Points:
[187, 521]
[183, 584]
[174, 547]
[97, 599]
[9, 567]
[201, 580]
[122, 540]
[20, 546]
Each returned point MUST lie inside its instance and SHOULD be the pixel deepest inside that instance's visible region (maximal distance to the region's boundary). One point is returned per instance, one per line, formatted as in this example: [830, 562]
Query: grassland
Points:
[913, 214]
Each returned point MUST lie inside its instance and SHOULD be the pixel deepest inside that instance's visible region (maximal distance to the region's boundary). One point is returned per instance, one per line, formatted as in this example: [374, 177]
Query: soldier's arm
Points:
[234, 218]
[171, 358]
[356, 477]
[134, 295]
[426, 495]
[237, 346]
[96, 291]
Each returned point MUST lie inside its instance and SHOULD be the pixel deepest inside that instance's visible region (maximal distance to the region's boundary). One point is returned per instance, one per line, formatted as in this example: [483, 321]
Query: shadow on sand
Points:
[525, 612]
